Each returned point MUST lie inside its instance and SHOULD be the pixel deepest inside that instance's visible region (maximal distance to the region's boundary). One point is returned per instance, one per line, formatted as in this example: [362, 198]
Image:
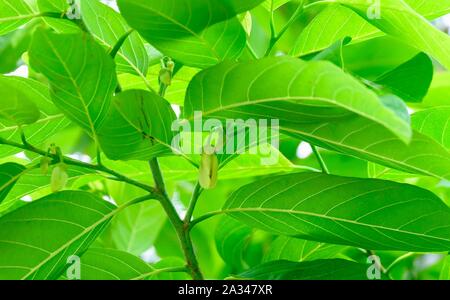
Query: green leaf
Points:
[136, 228]
[411, 80]
[335, 22]
[368, 59]
[13, 14]
[435, 123]
[53, 5]
[50, 120]
[445, 272]
[110, 264]
[231, 239]
[432, 123]
[332, 24]
[82, 82]
[37, 239]
[368, 140]
[267, 4]
[138, 126]
[430, 9]
[33, 184]
[397, 105]
[294, 90]
[366, 213]
[439, 91]
[401, 21]
[327, 269]
[168, 27]
[12, 46]
[293, 249]
[175, 94]
[9, 174]
[16, 107]
[108, 26]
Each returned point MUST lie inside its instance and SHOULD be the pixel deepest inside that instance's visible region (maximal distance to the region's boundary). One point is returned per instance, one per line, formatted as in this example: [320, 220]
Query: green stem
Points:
[204, 218]
[322, 164]
[69, 161]
[399, 259]
[195, 195]
[276, 37]
[178, 224]
[181, 228]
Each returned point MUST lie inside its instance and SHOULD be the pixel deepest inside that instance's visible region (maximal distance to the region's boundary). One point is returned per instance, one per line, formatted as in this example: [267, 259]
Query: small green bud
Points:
[165, 77]
[59, 178]
[209, 167]
[45, 162]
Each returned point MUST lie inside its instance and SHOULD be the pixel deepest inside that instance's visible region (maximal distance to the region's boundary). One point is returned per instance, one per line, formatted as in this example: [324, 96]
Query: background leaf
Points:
[367, 213]
[82, 82]
[37, 239]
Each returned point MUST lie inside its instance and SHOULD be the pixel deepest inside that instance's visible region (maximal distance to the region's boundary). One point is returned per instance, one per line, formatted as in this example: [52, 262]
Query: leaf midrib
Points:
[353, 222]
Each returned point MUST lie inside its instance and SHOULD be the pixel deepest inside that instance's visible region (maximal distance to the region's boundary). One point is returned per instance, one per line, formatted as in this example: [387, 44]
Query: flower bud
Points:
[45, 162]
[165, 77]
[209, 167]
[59, 178]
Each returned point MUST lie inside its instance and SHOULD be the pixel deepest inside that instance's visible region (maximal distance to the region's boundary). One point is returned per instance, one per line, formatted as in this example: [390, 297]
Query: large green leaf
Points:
[336, 22]
[368, 140]
[9, 174]
[110, 264]
[50, 120]
[37, 239]
[108, 27]
[327, 269]
[403, 22]
[13, 14]
[82, 76]
[366, 213]
[138, 126]
[293, 249]
[294, 90]
[170, 27]
[16, 105]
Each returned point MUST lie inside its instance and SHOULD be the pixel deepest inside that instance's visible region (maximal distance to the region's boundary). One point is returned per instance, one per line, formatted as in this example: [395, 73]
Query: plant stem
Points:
[181, 228]
[399, 259]
[276, 37]
[195, 195]
[69, 161]
[322, 164]
[204, 218]
[178, 224]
